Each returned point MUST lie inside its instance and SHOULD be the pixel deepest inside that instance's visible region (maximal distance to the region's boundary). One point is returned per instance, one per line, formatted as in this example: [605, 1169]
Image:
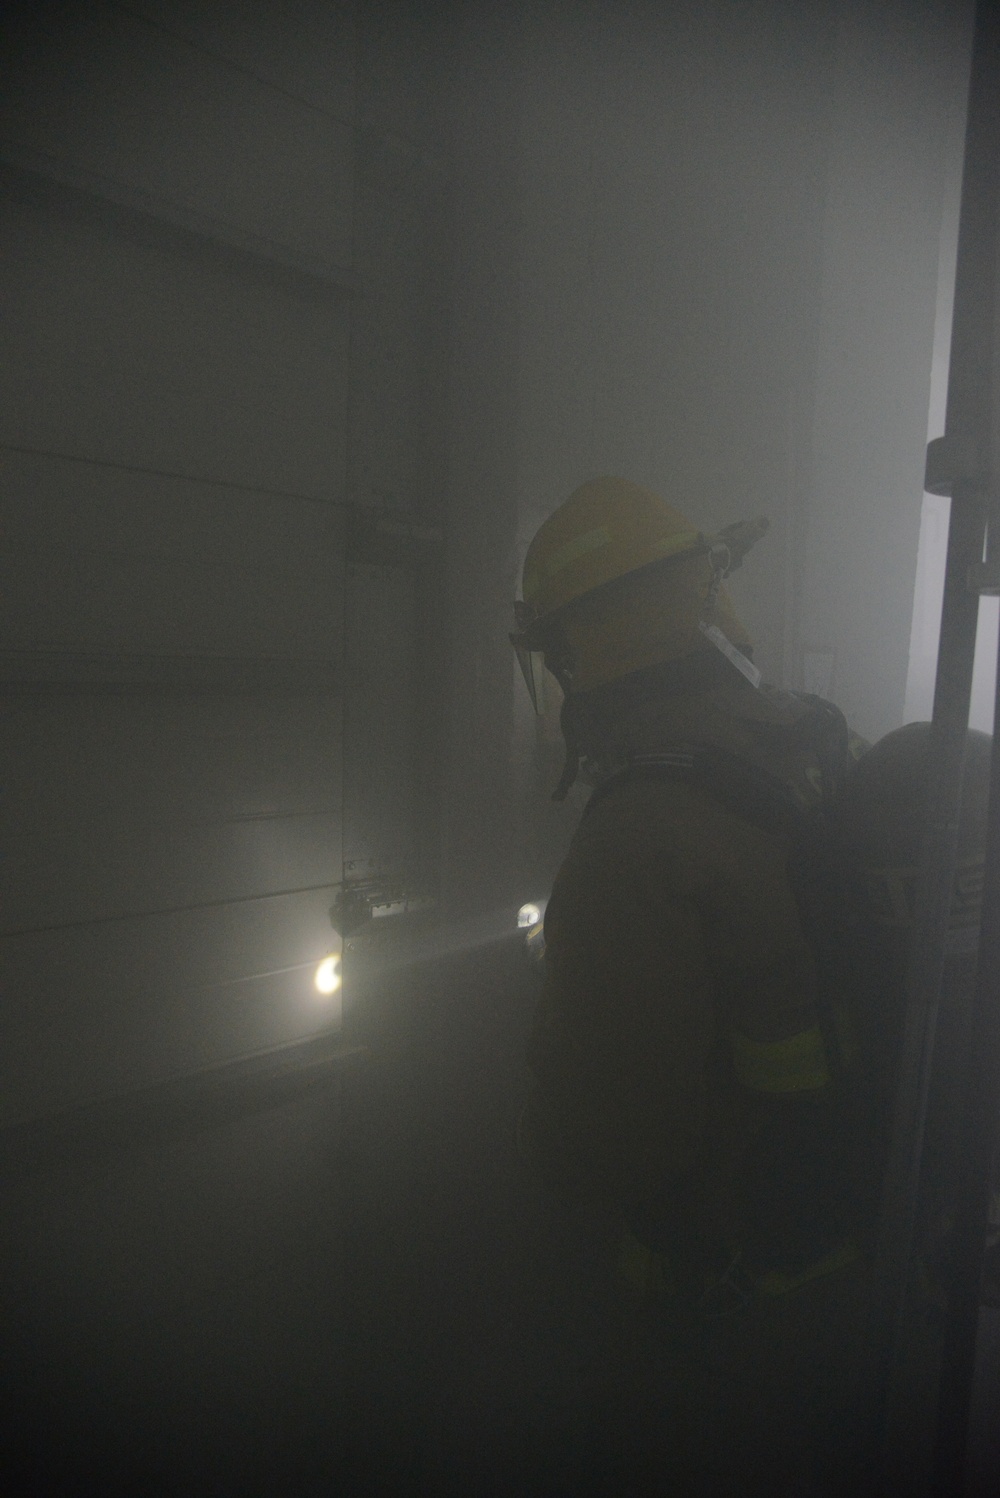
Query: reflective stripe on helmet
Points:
[795, 1064]
[595, 540]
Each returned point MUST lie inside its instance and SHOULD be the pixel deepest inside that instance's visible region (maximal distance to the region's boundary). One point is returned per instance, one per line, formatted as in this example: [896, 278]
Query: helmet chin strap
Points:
[569, 723]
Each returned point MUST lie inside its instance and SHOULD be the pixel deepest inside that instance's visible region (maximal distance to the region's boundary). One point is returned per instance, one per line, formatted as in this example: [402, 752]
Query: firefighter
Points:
[689, 1045]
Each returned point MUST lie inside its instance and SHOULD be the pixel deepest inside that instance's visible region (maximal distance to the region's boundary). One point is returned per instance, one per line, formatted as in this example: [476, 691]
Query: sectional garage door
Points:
[184, 607]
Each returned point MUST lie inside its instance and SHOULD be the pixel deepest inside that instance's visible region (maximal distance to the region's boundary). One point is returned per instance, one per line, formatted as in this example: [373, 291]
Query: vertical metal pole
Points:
[977, 1154]
[928, 956]
[958, 464]
[977, 417]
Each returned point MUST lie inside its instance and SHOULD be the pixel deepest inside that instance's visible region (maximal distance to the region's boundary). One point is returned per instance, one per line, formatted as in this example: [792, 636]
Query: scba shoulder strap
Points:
[746, 788]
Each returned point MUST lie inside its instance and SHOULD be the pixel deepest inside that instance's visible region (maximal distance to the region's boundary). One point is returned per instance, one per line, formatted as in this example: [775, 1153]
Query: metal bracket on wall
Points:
[359, 901]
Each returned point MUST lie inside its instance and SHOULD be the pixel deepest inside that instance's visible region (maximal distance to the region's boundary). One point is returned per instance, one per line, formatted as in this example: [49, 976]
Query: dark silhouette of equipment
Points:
[965, 464]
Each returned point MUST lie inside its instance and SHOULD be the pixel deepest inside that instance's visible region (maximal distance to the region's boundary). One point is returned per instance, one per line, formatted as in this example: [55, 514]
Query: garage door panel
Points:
[117, 869]
[112, 95]
[98, 558]
[185, 757]
[187, 731]
[129, 804]
[124, 353]
[313, 60]
[94, 507]
[95, 1011]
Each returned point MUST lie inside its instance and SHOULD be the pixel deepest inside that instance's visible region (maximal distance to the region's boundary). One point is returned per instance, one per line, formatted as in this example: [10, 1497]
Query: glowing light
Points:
[327, 979]
[528, 915]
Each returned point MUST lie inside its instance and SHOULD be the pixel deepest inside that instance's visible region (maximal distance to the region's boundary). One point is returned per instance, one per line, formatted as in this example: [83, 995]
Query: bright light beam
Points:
[327, 979]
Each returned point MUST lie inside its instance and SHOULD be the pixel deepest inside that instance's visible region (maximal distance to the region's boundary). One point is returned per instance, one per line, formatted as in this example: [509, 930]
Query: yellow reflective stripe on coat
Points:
[640, 1267]
[775, 1283]
[796, 1064]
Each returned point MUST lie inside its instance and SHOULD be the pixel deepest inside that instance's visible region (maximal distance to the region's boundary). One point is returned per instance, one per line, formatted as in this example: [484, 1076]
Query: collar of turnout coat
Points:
[656, 711]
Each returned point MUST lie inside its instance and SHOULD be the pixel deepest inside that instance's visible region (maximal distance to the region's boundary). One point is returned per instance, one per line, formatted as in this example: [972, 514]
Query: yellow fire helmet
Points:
[616, 580]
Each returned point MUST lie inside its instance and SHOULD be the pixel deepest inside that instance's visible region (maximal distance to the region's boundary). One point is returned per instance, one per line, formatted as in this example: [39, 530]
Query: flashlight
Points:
[529, 920]
[327, 977]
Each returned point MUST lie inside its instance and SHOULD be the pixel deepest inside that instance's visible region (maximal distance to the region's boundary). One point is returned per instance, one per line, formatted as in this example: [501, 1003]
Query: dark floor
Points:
[323, 1290]
[337, 1283]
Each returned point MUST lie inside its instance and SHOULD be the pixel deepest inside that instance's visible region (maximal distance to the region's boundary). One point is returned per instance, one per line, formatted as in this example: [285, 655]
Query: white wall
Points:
[895, 157]
[726, 264]
[672, 180]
